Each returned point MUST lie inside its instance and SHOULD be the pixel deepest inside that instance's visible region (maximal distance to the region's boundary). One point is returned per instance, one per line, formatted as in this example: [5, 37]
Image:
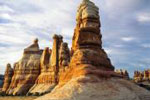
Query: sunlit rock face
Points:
[7, 77]
[45, 80]
[26, 70]
[86, 42]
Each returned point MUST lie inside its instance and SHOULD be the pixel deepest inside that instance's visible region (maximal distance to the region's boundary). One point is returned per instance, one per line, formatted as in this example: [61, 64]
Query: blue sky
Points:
[125, 28]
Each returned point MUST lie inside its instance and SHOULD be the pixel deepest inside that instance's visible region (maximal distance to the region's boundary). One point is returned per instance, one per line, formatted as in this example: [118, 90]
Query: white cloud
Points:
[5, 16]
[146, 45]
[119, 7]
[42, 20]
[4, 8]
[143, 17]
[127, 39]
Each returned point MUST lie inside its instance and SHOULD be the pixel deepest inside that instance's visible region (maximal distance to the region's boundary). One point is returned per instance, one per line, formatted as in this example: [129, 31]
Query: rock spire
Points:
[86, 42]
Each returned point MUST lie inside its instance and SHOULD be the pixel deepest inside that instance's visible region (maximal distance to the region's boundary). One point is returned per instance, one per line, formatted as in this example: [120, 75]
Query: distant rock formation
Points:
[7, 77]
[123, 73]
[142, 76]
[138, 76]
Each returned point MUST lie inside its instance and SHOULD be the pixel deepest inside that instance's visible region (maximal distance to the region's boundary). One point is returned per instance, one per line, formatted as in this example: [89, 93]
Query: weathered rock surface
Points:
[64, 56]
[86, 82]
[86, 42]
[7, 77]
[45, 80]
[26, 70]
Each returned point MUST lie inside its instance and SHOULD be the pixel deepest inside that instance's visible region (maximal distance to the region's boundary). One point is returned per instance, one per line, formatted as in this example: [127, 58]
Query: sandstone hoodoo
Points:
[7, 77]
[52, 62]
[44, 80]
[26, 70]
[86, 43]
[64, 56]
[49, 63]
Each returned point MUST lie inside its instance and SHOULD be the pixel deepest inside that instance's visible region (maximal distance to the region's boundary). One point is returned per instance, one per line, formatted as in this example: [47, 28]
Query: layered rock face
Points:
[7, 77]
[26, 70]
[46, 78]
[64, 56]
[86, 43]
[123, 73]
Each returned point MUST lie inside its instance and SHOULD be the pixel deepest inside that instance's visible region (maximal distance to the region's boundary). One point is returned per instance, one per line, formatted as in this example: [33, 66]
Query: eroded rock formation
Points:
[49, 69]
[46, 78]
[7, 77]
[142, 76]
[26, 70]
[84, 73]
[90, 74]
[86, 42]
[64, 56]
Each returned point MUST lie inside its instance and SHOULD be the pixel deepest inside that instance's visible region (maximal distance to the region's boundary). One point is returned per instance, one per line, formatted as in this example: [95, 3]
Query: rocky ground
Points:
[92, 88]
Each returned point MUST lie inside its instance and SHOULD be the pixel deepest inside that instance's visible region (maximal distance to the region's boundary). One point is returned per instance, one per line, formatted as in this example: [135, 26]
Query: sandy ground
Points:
[17, 98]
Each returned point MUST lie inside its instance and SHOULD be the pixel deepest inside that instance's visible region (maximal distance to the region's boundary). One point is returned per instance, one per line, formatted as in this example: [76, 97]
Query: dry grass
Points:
[17, 98]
